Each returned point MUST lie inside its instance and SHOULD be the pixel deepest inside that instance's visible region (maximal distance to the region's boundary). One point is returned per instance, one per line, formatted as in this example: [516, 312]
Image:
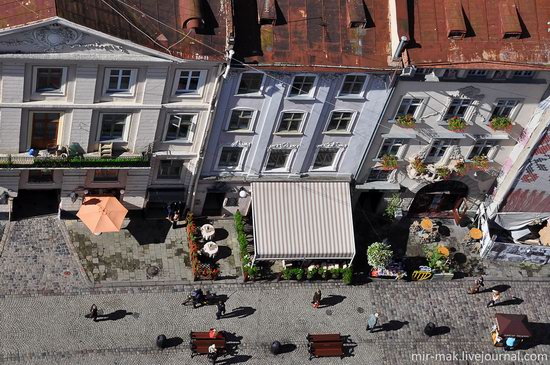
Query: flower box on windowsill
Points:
[405, 121]
[456, 124]
[25, 161]
[480, 162]
[389, 162]
[501, 123]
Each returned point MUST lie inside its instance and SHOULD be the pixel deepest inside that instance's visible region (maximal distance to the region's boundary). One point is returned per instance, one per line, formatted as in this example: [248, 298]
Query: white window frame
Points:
[302, 124]
[477, 73]
[256, 94]
[447, 149]
[157, 178]
[52, 93]
[120, 92]
[400, 152]
[250, 126]
[125, 131]
[360, 95]
[288, 164]
[310, 94]
[513, 111]
[523, 74]
[194, 93]
[417, 113]
[239, 167]
[378, 171]
[350, 124]
[335, 162]
[492, 151]
[467, 112]
[192, 128]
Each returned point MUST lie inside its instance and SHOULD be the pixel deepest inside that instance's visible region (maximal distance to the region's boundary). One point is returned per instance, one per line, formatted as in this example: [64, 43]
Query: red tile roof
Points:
[306, 33]
[484, 44]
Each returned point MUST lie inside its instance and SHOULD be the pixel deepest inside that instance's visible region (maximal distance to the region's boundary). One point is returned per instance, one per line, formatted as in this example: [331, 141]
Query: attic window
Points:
[267, 12]
[509, 20]
[357, 17]
[456, 26]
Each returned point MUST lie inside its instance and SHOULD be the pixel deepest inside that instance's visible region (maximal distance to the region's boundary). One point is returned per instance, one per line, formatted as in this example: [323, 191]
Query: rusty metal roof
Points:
[504, 33]
[202, 34]
[312, 34]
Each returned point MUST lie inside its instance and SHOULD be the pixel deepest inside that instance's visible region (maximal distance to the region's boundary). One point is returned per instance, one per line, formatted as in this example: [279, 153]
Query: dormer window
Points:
[509, 20]
[356, 14]
[456, 26]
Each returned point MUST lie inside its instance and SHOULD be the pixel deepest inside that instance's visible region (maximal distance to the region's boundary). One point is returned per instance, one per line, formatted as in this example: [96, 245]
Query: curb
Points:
[5, 235]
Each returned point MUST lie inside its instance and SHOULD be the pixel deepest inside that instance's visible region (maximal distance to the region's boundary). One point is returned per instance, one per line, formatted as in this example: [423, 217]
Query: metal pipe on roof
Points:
[400, 47]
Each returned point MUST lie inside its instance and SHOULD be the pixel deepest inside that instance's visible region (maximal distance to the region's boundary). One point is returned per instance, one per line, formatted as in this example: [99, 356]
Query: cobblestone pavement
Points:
[36, 258]
[126, 256]
[52, 329]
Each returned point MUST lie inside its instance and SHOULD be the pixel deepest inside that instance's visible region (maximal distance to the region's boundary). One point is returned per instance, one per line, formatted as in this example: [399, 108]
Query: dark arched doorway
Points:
[439, 199]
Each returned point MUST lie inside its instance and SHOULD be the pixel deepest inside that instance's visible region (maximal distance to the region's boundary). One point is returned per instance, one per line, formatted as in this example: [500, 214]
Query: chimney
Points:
[454, 16]
[190, 14]
[267, 12]
[356, 14]
[509, 19]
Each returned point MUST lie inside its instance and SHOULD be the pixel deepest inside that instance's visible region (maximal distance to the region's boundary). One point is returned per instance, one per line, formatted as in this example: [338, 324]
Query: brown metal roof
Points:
[490, 30]
[16, 12]
[312, 33]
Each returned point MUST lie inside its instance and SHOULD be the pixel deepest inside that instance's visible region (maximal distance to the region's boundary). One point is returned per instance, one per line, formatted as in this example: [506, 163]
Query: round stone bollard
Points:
[430, 329]
[275, 347]
[161, 341]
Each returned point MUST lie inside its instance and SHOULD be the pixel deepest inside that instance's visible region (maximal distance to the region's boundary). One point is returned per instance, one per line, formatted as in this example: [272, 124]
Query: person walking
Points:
[478, 284]
[372, 322]
[494, 298]
[93, 312]
[317, 299]
[221, 309]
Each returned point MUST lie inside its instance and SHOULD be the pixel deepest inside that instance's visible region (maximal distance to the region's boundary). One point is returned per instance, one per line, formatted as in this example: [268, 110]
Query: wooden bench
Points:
[325, 345]
[201, 341]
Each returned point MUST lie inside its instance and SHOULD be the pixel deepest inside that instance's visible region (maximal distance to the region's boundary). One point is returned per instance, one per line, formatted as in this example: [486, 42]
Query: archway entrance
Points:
[439, 199]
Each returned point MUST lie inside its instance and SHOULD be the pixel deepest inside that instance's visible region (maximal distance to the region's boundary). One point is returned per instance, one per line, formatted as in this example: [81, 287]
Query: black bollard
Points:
[275, 347]
[161, 341]
[430, 329]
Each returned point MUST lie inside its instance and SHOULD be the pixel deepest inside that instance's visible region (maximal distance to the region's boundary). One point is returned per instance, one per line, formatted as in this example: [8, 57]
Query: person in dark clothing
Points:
[317, 298]
[221, 309]
[93, 312]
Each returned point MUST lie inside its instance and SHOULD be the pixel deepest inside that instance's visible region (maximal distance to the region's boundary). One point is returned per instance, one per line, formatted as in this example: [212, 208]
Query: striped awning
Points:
[302, 220]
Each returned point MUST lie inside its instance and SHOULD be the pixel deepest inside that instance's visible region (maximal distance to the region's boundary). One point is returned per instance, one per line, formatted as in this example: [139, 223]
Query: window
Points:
[325, 158]
[339, 121]
[504, 108]
[302, 86]
[290, 122]
[378, 175]
[390, 146]
[440, 146]
[250, 83]
[170, 169]
[482, 147]
[188, 82]
[457, 108]
[114, 127]
[240, 120]
[45, 129]
[409, 106]
[277, 159]
[424, 71]
[40, 176]
[180, 127]
[120, 81]
[523, 74]
[49, 80]
[105, 175]
[230, 157]
[353, 85]
[477, 73]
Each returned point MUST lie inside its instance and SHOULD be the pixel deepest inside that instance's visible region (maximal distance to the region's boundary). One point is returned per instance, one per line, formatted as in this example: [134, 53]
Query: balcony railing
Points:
[29, 162]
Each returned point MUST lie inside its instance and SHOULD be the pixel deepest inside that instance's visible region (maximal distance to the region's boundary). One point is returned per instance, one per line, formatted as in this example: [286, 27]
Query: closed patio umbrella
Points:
[102, 214]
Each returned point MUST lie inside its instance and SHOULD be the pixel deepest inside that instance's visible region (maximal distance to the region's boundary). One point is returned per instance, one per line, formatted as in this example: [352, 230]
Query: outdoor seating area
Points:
[201, 342]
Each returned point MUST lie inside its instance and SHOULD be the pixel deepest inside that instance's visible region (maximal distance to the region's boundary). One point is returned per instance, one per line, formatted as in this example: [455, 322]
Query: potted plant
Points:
[311, 272]
[379, 254]
[252, 271]
[500, 123]
[444, 172]
[389, 162]
[457, 124]
[299, 273]
[419, 166]
[393, 206]
[287, 273]
[439, 263]
[461, 168]
[480, 162]
[405, 121]
[323, 272]
[335, 272]
[347, 274]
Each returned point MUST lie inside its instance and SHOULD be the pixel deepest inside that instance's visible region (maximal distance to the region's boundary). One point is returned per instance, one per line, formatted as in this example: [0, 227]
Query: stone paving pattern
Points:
[52, 329]
[36, 257]
[123, 257]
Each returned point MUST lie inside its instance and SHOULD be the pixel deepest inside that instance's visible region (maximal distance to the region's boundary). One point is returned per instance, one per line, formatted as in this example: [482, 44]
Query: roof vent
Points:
[190, 14]
[456, 27]
[509, 19]
[357, 17]
[267, 12]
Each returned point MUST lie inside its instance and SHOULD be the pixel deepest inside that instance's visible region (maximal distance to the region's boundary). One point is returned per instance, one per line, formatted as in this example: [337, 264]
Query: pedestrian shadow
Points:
[500, 288]
[240, 312]
[237, 359]
[436, 330]
[113, 316]
[173, 342]
[513, 301]
[393, 325]
[331, 300]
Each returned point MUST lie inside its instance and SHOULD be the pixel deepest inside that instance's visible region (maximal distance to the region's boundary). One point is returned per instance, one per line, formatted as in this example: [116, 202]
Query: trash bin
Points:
[161, 341]
[275, 347]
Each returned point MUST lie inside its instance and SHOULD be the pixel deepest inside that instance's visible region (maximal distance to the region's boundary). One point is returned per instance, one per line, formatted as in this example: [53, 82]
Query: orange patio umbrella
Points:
[102, 213]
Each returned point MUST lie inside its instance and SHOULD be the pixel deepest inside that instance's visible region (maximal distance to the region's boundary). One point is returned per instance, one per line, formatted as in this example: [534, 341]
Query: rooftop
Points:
[476, 33]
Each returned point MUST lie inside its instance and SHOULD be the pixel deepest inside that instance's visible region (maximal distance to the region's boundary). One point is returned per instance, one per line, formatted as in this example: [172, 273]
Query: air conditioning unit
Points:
[408, 71]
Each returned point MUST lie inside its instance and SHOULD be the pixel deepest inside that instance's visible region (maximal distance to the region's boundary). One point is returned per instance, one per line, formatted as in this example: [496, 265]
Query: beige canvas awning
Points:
[302, 220]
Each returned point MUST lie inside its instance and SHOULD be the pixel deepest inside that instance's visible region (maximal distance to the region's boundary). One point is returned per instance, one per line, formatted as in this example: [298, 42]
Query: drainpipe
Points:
[400, 47]
[190, 203]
